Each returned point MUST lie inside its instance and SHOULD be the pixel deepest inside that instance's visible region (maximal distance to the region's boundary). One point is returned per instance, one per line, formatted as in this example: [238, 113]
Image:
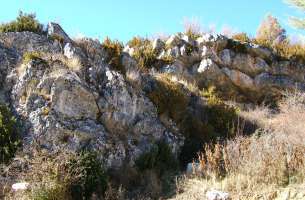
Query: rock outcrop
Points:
[72, 98]
[94, 108]
[249, 71]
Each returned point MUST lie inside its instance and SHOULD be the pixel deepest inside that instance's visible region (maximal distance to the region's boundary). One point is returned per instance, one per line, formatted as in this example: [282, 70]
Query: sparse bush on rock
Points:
[24, 22]
[114, 49]
[29, 56]
[64, 175]
[243, 37]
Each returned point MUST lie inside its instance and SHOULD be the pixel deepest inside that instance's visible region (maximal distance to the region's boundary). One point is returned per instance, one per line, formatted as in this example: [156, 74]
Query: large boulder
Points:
[249, 65]
[240, 79]
[23, 42]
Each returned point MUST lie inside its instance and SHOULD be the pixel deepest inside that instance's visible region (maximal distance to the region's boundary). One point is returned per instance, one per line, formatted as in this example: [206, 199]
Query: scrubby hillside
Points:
[114, 121]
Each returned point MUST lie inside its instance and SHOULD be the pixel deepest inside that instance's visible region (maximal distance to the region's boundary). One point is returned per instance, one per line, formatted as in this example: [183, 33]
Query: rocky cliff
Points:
[68, 95]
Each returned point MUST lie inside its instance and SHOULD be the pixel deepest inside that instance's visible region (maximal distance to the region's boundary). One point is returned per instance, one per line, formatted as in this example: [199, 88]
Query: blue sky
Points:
[123, 19]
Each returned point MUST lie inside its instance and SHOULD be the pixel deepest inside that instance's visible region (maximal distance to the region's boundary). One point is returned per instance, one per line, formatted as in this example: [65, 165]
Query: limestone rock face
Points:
[73, 100]
[232, 66]
[111, 112]
[94, 108]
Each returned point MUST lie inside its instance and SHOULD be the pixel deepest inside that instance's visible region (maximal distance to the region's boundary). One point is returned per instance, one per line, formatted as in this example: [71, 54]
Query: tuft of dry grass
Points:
[262, 164]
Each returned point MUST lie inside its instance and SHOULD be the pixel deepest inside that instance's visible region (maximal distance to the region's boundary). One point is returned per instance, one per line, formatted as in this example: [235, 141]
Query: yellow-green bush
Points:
[192, 34]
[24, 22]
[143, 52]
[29, 56]
[9, 138]
[172, 99]
[284, 50]
[169, 97]
[242, 37]
[64, 175]
[114, 49]
[145, 55]
[222, 118]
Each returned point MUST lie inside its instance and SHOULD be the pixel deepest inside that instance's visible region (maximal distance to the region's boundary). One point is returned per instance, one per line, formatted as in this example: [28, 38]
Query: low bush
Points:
[24, 22]
[143, 52]
[284, 50]
[222, 118]
[157, 170]
[192, 28]
[236, 46]
[64, 175]
[159, 158]
[92, 178]
[169, 97]
[242, 37]
[9, 137]
[114, 49]
[29, 56]
[270, 159]
[172, 98]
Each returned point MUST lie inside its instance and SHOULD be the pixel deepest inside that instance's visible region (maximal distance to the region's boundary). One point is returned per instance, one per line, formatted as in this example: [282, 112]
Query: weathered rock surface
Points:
[95, 107]
[233, 67]
[63, 108]
[55, 30]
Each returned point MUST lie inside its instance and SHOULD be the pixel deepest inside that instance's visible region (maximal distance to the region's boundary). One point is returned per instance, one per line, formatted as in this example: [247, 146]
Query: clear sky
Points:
[123, 19]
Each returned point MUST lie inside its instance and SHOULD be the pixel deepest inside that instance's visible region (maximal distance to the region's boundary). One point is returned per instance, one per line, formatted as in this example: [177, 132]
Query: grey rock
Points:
[259, 51]
[226, 57]
[248, 64]
[23, 42]
[240, 79]
[174, 52]
[173, 40]
[158, 45]
[266, 80]
[217, 195]
[55, 30]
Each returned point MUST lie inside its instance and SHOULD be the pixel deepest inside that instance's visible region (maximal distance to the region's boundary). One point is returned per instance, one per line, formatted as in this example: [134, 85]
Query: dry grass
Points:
[261, 164]
[59, 175]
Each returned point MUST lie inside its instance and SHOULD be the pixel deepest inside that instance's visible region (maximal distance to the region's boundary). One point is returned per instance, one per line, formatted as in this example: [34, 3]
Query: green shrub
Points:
[169, 97]
[242, 37]
[92, 178]
[24, 22]
[172, 99]
[9, 138]
[64, 175]
[222, 118]
[236, 46]
[145, 55]
[159, 158]
[138, 42]
[29, 56]
[143, 52]
[114, 49]
[192, 34]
